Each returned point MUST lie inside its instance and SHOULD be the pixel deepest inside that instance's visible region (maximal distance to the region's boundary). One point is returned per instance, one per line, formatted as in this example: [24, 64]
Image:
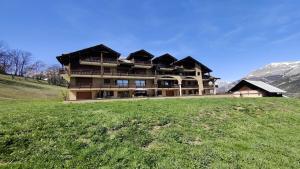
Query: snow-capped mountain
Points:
[282, 69]
[284, 75]
[224, 86]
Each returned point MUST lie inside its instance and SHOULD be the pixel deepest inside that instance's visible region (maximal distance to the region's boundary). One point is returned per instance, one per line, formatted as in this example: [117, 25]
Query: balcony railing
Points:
[127, 74]
[98, 72]
[110, 61]
[88, 85]
[145, 63]
[208, 87]
[169, 86]
[98, 60]
[86, 72]
[62, 71]
[92, 59]
[190, 86]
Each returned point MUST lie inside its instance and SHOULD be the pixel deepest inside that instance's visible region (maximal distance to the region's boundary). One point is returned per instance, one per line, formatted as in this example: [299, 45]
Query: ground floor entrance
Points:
[170, 93]
[129, 93]
[83, 95]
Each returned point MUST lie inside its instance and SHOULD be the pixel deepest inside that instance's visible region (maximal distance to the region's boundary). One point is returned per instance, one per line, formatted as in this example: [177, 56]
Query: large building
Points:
[100, 72]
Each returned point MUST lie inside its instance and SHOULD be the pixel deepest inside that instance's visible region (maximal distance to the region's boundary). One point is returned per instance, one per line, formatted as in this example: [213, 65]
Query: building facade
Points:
[100, 72]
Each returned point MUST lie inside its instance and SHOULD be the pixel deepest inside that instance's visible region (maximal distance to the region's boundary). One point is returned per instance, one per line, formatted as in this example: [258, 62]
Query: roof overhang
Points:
[188, 61]
[65, 58]
[257, 84]
[140, 54]
[166, 58]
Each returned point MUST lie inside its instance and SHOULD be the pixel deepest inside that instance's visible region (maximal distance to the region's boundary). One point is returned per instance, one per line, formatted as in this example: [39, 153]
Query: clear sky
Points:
[232, 37]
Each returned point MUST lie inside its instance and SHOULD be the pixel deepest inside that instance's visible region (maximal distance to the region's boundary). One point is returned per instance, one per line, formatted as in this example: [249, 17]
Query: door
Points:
[170, 93]
[84, 95]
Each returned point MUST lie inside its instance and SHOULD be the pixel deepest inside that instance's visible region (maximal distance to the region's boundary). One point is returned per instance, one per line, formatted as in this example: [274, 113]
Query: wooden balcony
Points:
[190, 86]
[107, 86]
[97, 62]
[62, 71]
[208, 87]
[128, 74]
[169, 86]
[86, 72]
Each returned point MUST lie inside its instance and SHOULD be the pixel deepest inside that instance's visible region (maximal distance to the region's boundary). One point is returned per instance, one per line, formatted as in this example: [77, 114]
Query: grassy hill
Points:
[20, 88]
[171, 133]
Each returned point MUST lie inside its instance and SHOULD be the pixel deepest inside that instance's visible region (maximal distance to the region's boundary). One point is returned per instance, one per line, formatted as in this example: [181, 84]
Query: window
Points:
[105, 94]
[106, 81]
[198, 73]
[84, 81]
[106, 69]
[140, 83]
[122, 83]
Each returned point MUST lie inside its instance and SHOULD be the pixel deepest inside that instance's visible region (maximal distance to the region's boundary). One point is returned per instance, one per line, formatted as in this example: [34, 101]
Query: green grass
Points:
[171, 133]
[20, 88]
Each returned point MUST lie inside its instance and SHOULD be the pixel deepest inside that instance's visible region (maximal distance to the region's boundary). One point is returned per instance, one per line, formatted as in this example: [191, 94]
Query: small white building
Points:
[250, 88]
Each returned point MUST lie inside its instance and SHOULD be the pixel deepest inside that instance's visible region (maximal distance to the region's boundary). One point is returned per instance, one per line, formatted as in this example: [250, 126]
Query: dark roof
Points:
[188, 61]
[140, 53]
[164, 58]
[64, 58]
[259, 84]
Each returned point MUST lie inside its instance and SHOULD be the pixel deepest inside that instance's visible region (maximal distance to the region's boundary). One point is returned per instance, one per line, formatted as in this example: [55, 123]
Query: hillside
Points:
[169, 133]
[284, 75]
[20, 88]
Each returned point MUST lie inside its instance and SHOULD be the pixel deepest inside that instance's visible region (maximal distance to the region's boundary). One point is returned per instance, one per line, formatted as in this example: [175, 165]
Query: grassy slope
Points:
[173, 133]
[19, 88]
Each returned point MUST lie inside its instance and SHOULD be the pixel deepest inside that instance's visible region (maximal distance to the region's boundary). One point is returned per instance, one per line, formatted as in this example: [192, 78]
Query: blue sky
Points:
[232, 37]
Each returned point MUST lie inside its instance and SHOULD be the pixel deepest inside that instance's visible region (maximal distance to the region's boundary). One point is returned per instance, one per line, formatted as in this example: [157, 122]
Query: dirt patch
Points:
[152, 145]
[238, 108]
[157, 128]
[197, 141]
[206, 126]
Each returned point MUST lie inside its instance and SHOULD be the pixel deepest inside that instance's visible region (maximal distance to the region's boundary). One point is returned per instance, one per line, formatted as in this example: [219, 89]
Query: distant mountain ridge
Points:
[284, 75]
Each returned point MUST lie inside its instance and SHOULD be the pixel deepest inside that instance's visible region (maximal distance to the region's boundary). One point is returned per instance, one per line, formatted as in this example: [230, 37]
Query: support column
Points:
[155, 87]
[200, 87]
[214, 84]
[180, 90]
[179, 84]
[115, 94]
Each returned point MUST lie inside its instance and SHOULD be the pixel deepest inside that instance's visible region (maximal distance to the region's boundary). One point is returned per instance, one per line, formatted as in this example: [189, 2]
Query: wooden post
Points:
[101, 60]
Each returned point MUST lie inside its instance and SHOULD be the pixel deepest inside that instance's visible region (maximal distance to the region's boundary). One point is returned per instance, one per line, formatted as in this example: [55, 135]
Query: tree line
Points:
[17, 62]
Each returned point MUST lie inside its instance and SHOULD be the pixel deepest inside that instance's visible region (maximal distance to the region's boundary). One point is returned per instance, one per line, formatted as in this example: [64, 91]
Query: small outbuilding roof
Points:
[261, 85]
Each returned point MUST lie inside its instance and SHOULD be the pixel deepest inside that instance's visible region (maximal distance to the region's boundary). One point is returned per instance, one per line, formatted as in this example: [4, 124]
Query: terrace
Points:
[97, 60]
[145, 63]
[98, 72]
[115, 86]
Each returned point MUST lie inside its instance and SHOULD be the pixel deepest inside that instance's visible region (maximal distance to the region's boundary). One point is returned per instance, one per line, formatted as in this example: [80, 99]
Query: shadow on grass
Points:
[21, 84]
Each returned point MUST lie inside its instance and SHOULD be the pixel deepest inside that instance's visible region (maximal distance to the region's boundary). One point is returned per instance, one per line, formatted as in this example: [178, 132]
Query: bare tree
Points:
[5, 59]
[53, 76]
[15, 55]
[25, 58]
[35, 70]
[20, 60]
